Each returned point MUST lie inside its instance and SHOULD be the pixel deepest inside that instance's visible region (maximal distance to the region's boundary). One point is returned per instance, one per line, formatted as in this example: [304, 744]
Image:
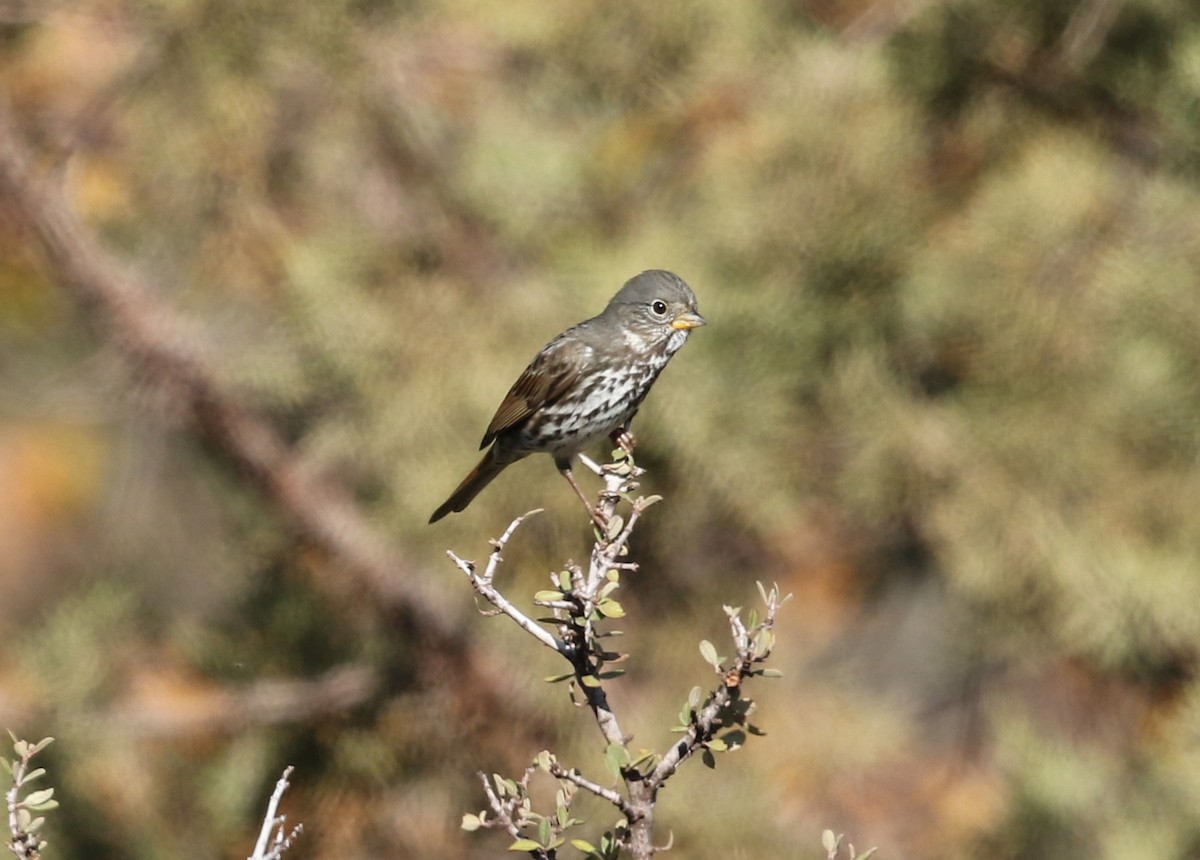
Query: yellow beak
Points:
[687, 320]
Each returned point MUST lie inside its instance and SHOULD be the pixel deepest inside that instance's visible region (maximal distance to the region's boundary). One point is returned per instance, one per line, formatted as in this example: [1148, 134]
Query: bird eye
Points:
[659, 307]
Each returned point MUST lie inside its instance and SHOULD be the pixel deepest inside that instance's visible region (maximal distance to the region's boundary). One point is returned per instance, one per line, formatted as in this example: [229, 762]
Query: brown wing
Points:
[551, 373]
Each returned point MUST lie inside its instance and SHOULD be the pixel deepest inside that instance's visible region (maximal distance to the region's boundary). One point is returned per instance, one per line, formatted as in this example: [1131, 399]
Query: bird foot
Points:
[600, 521]
[624, 440]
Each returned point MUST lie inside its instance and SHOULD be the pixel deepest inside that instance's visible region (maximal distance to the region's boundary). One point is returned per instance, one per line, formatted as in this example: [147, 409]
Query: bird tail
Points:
[489, 467]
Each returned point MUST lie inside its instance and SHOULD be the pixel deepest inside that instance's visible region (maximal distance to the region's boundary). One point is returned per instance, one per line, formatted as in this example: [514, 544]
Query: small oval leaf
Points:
[36, 798]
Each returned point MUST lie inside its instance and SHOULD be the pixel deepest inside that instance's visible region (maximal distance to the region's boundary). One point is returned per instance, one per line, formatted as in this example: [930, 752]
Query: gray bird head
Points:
[657, 302]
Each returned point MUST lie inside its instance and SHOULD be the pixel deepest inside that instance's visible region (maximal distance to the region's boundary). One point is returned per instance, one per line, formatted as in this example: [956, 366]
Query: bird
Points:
[587, 383]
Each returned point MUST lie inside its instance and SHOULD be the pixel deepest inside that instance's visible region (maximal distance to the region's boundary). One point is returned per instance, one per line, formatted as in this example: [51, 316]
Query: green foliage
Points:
[21, 802]
[947, 394]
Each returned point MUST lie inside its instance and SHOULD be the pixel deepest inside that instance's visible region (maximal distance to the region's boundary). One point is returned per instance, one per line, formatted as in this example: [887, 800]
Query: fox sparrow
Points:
[587, 383]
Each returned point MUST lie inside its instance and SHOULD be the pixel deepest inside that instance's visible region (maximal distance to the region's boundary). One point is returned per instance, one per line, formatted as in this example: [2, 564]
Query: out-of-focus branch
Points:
[157, 343]
[213, 709]
[223, 710]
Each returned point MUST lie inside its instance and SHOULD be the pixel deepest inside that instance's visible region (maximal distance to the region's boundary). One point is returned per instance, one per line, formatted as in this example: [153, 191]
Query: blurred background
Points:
[949, 254]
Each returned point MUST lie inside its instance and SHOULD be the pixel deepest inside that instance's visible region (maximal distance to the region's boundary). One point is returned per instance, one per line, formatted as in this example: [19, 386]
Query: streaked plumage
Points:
[587, 383]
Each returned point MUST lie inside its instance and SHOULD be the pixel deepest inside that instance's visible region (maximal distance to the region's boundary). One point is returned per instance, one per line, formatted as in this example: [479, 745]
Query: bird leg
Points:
[592, 512]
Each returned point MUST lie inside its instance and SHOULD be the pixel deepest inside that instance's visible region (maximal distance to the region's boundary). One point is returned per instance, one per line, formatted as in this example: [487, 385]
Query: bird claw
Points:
[624, 440]
[598, 519]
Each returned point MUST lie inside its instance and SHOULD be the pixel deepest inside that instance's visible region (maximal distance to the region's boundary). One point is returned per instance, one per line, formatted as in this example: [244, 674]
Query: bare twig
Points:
[611, 795]
[482, 583]
[268, 848]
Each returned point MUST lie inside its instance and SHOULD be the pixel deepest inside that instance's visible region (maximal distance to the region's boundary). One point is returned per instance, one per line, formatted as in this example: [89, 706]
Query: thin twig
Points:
[504, 810]
[482, 583]
[271, 849]
[611, 795]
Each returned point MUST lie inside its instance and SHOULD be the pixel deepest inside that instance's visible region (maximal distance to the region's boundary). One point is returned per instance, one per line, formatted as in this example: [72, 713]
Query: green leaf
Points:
[555, 679]
[547, 596]
[868, 853]
[828, 841]
[35, 799]
[619, 753]
[525, 845]
[771, 673]
[645, 756]
[544, 832]
[612, 673]
[544, 759]
[471, 822]
[615, 525]
[709, 761]
[613, 575]
[33, 774]
[651, 500]
[717, 745]
[41, 745]
[583, 845]
[709, 652]
[616, 758]
[609, 608]
[590, 681]
[764, 643]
